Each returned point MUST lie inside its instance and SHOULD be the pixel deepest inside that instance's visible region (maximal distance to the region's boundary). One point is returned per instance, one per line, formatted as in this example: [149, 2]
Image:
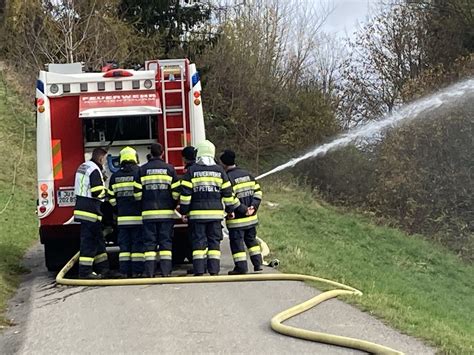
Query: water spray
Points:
[404, 114]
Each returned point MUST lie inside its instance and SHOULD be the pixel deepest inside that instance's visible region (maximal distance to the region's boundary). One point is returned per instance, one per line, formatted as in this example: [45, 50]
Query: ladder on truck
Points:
[172, 77]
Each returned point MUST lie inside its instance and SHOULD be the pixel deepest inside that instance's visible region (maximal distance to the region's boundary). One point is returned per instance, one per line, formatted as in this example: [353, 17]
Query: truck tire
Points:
[58, 252]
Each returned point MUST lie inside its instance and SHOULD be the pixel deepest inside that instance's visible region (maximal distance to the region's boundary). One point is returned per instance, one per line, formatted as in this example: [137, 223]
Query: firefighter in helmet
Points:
[125, 192]
[242, 227]
[203, 189]
[160, 195]
[90, 192]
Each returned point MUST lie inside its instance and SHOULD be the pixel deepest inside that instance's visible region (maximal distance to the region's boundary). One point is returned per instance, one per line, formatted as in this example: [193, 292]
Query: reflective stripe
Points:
[207, 183]
[138, 256]
[126, 184]
[159, 214]
[175, 184]
[185, 200]
[124, 256]
[231, 201]
[88, 216]
[207, 180]
[97, 188]
[244, 185]
[254, 250]
[242, 222]
[258, 195]
[156, 179]
[206, 214]
[187, 184]
[241, 256]
[85, 260]
[129, 220]
[214, 254]
[225, 185]
[113, 201]
[165, 254]
[175, 195]
[111, 192]
[150, 255]
[199, 254]
[100, 258]
[138, 195]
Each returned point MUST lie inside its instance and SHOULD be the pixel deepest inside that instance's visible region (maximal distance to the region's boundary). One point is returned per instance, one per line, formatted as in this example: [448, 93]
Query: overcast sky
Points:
[346, 16]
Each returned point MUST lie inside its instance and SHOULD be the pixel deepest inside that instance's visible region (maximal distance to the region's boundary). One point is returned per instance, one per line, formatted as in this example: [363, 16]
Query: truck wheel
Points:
[57, 253]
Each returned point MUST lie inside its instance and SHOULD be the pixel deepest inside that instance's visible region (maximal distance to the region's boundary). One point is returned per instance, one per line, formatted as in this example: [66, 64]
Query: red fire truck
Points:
[78, 111]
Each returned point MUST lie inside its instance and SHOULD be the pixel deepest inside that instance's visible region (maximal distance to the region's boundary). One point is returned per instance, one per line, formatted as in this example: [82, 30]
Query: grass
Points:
[417, 287]
[18, 223]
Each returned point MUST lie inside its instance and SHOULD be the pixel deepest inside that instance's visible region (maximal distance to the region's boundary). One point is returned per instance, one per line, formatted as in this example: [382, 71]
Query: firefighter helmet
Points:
[205, 149]
[128, 154]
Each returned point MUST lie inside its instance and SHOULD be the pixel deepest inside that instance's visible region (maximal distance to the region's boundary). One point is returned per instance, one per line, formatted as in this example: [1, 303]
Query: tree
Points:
[180, 26]
[261, 97]
[389, 51]
[40, 32]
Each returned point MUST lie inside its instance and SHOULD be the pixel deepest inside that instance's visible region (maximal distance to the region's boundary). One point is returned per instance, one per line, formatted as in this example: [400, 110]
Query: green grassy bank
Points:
[414, 286]
[18, 223]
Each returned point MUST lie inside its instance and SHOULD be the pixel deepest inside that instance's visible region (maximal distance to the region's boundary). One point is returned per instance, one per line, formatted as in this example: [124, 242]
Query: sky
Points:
[346, 16]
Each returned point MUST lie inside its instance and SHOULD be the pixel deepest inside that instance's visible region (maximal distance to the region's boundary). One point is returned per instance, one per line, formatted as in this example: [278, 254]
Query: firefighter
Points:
[189, 157]
[90, 192]
[203, 189]
[160, 194]
[125, 192]
[242, 227]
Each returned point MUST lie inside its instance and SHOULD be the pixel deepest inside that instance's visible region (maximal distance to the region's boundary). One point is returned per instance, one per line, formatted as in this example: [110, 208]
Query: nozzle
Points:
[274, 263]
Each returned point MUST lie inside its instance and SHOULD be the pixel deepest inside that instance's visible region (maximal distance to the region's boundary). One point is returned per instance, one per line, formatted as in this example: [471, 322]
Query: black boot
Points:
[91, 276]
[237, 272]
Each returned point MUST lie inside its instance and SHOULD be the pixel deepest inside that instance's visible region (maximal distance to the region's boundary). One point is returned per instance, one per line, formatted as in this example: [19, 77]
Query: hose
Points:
[276, 321]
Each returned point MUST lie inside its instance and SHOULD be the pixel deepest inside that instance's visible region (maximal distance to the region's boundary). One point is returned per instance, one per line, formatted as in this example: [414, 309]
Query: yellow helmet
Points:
[128, 154]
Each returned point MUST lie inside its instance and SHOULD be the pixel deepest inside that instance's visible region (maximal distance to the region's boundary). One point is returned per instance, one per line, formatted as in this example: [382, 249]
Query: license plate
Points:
[66, 198]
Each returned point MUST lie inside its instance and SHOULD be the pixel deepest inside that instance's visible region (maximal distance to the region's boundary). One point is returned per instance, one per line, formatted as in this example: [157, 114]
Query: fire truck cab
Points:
[78, 111]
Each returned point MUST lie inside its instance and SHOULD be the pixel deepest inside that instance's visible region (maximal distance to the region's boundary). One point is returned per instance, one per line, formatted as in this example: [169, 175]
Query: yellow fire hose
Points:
[277, 320]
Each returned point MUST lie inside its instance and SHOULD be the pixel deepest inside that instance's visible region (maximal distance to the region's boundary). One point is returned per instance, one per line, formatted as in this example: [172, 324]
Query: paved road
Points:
[208, 318]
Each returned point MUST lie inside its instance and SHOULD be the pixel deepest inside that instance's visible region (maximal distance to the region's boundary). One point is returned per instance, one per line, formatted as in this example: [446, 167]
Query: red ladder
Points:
[173, 80]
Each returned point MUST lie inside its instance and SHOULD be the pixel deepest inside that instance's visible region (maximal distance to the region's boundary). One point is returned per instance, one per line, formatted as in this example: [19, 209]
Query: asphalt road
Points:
[206, 318]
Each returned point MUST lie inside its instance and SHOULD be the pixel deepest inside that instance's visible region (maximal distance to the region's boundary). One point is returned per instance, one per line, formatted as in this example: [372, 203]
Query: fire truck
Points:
[78, 111]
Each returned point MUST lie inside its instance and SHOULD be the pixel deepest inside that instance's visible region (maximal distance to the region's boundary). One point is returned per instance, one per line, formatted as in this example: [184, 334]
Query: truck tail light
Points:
[46, 199]
[197, 101]
[197, 94]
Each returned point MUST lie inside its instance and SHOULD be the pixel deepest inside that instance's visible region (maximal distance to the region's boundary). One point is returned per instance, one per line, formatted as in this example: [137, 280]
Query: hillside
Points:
[413, 285]
[17, 174]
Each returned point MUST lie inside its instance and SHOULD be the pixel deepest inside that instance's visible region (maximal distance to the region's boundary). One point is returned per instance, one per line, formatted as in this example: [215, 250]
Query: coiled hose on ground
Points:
[276, 321]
